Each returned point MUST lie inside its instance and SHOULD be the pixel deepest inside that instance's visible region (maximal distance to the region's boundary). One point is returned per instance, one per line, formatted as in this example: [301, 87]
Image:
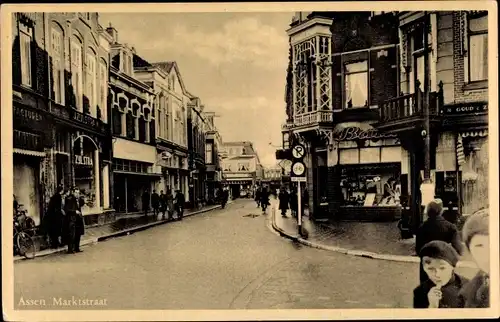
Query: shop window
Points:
[25, 40]
[477, 38]
[360, 189]
[356, 84]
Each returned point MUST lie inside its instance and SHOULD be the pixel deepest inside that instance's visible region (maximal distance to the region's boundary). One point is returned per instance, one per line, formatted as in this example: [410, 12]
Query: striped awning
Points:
[29, 152]
[473, 134]
[460, 151]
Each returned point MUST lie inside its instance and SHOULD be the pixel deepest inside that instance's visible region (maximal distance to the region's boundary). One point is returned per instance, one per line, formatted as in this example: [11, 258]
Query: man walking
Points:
[436, 228]
[55, 216]
[155, 202]
[145, 202]
[73, 209]
[163, 204]
[170, 204]
[179, 203]
[284, 199]
[258, 192]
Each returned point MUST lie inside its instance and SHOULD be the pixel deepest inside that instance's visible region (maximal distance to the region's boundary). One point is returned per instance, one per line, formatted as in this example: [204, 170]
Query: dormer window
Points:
[126, 59]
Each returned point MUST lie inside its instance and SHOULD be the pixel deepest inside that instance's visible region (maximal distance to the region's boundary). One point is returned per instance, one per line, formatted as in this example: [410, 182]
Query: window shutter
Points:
[337, 82]
[383, 75]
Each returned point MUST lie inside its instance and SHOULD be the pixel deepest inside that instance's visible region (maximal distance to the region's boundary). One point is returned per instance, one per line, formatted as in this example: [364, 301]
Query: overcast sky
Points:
[235, 62]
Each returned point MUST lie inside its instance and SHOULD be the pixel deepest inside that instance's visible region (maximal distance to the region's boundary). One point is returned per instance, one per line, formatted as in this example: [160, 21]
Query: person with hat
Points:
[436, 228]
[442, 288]
[73, 209]
[476, 293]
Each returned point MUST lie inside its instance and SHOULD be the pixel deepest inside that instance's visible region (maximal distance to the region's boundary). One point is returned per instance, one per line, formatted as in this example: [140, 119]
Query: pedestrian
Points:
[442, 288]
[145, 202]
[284, 199]
[264, 198]
[294, 202]
[155, 202]
[304, 200]
[163, 204]
[170, 204]
[258, 192]
[54, 219]
[179, 204]
[476, 293]
[73, 209]
[436, 228]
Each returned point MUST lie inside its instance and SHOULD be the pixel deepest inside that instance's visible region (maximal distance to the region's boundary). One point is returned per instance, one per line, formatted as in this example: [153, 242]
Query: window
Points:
[57, 46]
[418, 57]
[90, 80]
[76, 70]
[356, 84]
[208, 153]
[25, 38]
[477, 38]
[103, 81]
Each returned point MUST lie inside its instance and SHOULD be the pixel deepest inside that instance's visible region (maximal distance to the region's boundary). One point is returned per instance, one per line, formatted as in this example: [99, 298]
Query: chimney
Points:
[113, 33]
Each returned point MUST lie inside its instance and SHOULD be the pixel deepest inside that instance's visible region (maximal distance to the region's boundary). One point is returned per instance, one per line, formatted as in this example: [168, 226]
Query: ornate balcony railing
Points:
[314, 117]
[408, 105]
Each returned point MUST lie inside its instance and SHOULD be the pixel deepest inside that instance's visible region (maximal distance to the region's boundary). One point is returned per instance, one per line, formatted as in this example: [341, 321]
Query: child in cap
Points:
[441, 289]
[476, 236]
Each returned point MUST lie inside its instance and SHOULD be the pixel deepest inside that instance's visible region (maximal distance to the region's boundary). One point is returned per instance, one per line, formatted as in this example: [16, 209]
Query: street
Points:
[224, 259]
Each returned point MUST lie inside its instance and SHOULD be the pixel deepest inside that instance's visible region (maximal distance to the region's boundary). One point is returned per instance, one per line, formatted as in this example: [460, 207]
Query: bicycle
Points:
[24, 245]
[26, 223]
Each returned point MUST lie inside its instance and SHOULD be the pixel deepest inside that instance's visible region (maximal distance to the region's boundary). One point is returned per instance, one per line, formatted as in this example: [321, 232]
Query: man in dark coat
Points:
[305, 200]
[73, 210]
[264, 198]
[179, 204]
[284, 199]
[145, 202]
[54, 219]
[294, 203]
[155, 202]
[436, 228]
[258, 191]
[163, 203]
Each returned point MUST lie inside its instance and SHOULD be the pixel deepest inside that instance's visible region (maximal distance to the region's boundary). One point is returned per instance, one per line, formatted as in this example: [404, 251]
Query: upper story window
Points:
[90, 80]
[244, 166]
[208, 153]
[103, 81]
[76, 71]
[57, 48]
[25, 41]
[477, 39]
[356, 84]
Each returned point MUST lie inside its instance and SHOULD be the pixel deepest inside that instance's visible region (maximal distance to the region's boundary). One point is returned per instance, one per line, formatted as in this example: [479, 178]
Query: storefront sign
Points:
[355, 133]
[28, 118]
[27, 141]
[87, 120]
[466, 109]
[83, 160]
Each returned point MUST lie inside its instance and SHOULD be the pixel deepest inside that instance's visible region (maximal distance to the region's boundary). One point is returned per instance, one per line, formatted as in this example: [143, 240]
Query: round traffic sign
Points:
[298, 151]
[298, 168]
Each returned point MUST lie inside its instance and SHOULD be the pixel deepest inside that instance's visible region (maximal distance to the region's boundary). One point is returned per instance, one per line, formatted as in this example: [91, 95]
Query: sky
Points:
[235, 62]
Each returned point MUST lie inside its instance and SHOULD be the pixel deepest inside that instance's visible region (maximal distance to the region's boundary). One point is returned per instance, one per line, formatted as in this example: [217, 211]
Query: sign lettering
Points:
[83, 160]
[355, 133]
[473, 108]
[28, 141]
[27, 114]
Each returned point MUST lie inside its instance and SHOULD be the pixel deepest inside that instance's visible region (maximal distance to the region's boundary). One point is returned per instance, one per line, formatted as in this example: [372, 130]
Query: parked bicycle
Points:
[24, 230]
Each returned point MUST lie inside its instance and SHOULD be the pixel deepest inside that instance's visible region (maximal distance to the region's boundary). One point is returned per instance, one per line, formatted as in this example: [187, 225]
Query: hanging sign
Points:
[83, 160]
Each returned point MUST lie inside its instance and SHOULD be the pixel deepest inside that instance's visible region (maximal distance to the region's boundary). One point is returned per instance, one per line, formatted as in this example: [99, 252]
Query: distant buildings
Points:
[241, 167]
[90, 112]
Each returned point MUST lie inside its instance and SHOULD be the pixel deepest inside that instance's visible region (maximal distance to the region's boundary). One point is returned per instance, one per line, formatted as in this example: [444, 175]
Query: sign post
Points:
[298, 175]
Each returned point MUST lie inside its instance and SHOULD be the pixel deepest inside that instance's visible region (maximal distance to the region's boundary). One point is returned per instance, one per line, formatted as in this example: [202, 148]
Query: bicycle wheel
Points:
[30, 226]
[26, 245]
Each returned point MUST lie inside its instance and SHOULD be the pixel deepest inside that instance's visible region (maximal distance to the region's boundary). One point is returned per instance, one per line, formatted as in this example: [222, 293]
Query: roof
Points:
[140, 62]
[166, 65]
[238, 143]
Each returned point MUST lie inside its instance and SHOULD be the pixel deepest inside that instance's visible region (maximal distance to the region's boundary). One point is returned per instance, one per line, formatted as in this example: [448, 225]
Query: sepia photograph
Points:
[239, 161]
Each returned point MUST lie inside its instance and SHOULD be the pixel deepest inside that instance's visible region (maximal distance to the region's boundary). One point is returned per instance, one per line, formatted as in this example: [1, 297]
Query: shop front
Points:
[368, 173]
[31, 140]
[240, 184]
[134, 173]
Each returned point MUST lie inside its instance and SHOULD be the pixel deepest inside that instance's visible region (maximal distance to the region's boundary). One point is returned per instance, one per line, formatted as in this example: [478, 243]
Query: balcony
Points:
[309, 121]
[406, 112]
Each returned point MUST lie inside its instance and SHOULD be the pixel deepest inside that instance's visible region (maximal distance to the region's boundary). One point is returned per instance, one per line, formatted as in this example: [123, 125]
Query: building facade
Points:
[132, 106]
[171, 122]
[368, 92]
[213, 144]
[60, 72]
[241, 167]
[196, 145]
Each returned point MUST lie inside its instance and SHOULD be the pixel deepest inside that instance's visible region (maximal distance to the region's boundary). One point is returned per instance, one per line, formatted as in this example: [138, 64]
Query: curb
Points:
[359, 253]
[120, 233]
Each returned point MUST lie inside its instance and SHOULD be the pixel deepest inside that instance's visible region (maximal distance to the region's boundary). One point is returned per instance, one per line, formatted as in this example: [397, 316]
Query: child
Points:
[475, 294]
[442, 288]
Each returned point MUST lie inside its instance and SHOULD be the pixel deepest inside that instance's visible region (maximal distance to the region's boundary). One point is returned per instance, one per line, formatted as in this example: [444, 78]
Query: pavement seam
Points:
[95, 240]
[358, 253]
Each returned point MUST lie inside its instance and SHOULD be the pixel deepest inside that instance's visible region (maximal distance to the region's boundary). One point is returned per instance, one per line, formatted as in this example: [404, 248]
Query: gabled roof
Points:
[138, 61]
[167, 66]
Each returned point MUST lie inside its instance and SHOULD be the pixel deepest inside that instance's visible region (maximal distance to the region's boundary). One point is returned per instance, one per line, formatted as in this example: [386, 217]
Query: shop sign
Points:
[27, 141]
[27, 117]
[87, 120]
[466, 109]
[355, 133]
[83, 160]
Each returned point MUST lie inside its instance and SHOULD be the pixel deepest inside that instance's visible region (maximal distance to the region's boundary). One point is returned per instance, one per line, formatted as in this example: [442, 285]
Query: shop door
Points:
[26, 186]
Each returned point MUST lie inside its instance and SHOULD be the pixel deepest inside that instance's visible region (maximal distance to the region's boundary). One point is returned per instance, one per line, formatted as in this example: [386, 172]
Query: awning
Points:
[138, 173]
[30, 153]
[239, 181]
[372, 166]
[473, 134]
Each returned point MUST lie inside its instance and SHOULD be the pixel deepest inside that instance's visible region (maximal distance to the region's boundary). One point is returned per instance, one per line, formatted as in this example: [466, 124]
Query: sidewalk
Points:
[122, 226]
[374, 240]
